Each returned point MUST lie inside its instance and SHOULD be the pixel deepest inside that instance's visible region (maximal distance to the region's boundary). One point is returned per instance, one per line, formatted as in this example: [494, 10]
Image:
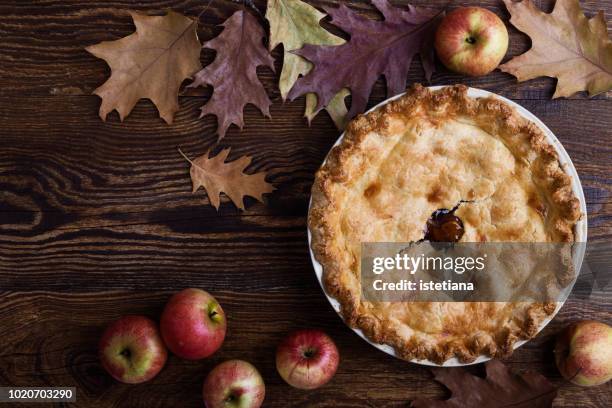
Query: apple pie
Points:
[396, 175]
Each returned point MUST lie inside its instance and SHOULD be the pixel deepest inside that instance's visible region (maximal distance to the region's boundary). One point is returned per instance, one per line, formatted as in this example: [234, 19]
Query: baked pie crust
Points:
[397, 165]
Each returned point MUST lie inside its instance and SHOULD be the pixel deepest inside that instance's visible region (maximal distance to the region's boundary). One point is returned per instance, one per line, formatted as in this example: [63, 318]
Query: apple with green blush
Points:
[234, 384]
[583, 353]
[471, 41]
[131, 349]
[307, 359]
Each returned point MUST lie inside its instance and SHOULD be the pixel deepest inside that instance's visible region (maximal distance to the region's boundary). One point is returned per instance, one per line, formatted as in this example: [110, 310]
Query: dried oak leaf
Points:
[150, 63]
[565, 45]
[375, 48]
[295, 23]
[500, 389]
[217, 176]
[233, 73]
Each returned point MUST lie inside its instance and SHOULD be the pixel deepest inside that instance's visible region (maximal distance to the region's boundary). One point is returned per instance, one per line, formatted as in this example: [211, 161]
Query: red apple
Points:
[131, 349]
[193, 324]
[584, 353]
[307, 359]
[234, 384]
[471, 41]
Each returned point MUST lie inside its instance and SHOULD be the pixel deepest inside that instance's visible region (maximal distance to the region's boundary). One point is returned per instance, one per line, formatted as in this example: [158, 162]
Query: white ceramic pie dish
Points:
[580, 228]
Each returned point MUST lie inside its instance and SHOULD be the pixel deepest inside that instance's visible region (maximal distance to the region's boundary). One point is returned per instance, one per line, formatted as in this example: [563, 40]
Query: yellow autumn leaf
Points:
[294, 23]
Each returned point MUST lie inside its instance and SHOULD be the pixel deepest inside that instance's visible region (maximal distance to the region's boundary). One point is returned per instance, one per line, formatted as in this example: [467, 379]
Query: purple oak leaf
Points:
[375, 48]
[233, 73]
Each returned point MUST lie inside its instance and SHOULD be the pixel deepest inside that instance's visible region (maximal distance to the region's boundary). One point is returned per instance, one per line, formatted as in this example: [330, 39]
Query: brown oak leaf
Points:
[233, 73]
[375, 48]
[150, 63]
[500, 389]
[217, 176]
[565, 45]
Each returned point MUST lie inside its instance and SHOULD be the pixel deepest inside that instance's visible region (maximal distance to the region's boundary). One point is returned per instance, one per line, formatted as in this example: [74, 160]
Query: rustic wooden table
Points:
[97, 220]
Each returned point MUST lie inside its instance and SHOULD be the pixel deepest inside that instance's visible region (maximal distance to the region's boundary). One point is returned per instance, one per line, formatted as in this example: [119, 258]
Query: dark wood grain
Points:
[66, 159]
[97, 219]
[37, 351]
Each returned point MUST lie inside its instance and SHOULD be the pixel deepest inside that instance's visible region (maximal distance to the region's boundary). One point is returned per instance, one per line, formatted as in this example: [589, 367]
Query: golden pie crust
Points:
[398, 164]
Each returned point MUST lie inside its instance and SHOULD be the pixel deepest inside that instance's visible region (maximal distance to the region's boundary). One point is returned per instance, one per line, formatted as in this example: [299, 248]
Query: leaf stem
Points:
[204, 10]
[185, 156]
[534, 398]
[251, 5]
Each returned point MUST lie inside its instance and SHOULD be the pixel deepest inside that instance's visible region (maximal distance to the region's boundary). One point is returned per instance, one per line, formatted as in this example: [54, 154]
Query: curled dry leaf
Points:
[375, 48]
[500, 389]
[233, 73]
[217, 176]
[150, 63]
[565, 45]
[295, 23]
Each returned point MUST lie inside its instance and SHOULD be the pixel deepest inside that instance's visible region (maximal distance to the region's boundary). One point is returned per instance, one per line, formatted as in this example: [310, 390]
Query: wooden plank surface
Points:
[97, 219]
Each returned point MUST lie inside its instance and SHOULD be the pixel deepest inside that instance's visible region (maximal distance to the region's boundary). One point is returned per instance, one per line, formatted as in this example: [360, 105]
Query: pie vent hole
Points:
[444, 226]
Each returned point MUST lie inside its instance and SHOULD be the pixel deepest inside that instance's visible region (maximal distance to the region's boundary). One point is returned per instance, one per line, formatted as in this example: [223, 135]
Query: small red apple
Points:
[307, 359]
[234, 384]
[471, 41]
[131, 349]
[584, 353]
[193, 324]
